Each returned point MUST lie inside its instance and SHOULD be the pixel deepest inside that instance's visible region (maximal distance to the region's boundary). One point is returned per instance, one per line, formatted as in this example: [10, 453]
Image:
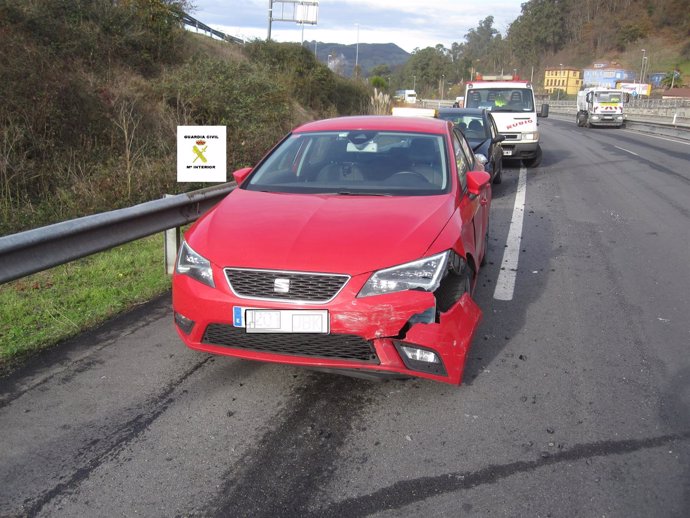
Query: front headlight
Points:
[196, 266]
[424, 274]
[530, 136]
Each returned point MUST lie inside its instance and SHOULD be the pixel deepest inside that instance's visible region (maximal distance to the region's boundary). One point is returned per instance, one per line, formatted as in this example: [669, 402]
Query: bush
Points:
[244, 97]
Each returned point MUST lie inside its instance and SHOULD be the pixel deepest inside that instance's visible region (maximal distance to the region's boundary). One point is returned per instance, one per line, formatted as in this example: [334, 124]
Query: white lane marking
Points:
[505, 285]
[626, 150]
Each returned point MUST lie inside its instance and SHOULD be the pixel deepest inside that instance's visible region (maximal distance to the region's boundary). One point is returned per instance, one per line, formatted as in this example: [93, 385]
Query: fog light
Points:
[420, 355]
[418, 359]
[185, 324]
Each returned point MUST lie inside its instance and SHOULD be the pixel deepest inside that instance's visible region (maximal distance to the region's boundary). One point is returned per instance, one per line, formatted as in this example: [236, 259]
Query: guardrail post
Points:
[171, 244]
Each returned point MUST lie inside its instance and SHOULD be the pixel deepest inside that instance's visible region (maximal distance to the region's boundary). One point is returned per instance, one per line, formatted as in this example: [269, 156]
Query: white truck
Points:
[512, 105]
[597, 106]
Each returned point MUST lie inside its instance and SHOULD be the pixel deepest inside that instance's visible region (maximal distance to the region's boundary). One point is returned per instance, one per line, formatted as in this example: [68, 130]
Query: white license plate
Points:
[283, 321]
[507, 152]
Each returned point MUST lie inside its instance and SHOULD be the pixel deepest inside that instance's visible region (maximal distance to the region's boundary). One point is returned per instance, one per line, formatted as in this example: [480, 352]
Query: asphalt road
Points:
[576, 400]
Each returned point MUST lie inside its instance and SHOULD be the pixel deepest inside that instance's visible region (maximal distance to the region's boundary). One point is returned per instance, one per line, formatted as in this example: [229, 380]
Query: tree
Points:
[426, 67]
[380, 70]
[378, 82]
[672, 79]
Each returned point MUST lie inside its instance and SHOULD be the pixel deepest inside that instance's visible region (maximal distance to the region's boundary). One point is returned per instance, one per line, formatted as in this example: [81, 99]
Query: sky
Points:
[409, 24]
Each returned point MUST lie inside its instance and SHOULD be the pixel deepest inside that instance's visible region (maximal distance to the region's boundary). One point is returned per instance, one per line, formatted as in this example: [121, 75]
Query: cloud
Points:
[408, 23]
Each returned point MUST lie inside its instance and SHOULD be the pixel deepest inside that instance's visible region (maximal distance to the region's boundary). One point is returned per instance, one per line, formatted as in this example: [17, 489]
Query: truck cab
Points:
[601, 107]
[513, 107]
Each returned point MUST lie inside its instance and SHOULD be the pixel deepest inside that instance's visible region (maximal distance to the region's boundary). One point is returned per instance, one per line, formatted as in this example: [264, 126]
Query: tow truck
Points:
[511, 102]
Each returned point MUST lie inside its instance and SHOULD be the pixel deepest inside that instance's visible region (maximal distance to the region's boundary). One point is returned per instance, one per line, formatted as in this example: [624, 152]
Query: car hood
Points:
[325, 233]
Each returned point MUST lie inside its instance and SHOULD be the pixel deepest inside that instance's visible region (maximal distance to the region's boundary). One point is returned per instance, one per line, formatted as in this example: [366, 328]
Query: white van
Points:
[406, 96]
[513, 108]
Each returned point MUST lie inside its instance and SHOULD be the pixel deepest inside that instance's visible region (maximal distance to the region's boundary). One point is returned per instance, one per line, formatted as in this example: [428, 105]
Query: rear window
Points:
[472, 126]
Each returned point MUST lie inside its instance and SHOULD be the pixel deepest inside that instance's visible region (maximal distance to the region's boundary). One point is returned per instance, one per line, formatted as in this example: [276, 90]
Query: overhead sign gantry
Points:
[298, 11]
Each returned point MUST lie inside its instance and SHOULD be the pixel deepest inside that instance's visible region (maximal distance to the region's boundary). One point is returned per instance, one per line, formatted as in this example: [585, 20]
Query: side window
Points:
[492, 126]
[461, 160]
[469, 155]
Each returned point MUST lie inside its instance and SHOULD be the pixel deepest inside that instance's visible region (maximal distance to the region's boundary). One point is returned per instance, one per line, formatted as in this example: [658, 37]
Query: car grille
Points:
[303, 287]
[335, 346]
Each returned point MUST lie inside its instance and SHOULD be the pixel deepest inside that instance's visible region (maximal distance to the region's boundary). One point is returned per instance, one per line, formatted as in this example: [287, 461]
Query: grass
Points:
[39, 311]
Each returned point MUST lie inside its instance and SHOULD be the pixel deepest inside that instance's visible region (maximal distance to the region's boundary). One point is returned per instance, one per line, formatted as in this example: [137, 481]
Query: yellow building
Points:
[565, 79]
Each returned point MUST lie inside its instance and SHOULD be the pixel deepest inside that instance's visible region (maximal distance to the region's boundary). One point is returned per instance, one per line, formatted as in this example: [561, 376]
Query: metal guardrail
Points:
[674, 124]
[193, 22]
[667, 117]
[35, 250]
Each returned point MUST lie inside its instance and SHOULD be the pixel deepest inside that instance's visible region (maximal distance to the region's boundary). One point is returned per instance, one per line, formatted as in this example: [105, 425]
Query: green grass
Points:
[38, 311]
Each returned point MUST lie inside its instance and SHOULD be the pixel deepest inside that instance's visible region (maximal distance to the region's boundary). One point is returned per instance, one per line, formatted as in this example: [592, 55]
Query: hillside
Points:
[342, 57]
[93, 93]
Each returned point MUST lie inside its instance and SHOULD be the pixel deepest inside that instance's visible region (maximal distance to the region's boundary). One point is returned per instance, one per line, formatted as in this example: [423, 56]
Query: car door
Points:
[496, 149]
[473, 209]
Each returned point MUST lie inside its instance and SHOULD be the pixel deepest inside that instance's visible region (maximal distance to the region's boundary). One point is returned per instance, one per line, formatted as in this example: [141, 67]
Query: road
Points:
[576, 400]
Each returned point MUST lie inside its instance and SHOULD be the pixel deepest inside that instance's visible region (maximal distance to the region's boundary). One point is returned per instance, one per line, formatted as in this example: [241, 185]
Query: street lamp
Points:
[357, 53]
[443, 84]
[414, 83]
[644, 57]
[558, 94]
[567, 80]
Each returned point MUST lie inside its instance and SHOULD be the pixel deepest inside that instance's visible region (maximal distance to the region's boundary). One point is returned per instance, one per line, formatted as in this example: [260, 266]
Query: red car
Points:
[353, 247]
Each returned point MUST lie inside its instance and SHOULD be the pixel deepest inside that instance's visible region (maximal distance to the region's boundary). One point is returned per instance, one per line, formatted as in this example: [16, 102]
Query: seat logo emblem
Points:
[281, 285]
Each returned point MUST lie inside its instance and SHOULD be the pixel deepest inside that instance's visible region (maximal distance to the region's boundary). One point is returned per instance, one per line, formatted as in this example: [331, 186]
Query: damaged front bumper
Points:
[408, 333]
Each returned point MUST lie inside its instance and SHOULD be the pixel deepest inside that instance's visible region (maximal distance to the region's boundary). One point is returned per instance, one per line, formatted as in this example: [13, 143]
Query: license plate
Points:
[608, 117]
[282, 321]
[507, 152]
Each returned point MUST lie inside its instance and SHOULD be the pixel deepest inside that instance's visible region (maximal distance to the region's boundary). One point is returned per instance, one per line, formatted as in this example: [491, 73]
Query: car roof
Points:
[377, 122]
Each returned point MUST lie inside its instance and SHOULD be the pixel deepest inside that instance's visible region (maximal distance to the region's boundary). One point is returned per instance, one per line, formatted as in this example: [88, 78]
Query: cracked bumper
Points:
[382, 322]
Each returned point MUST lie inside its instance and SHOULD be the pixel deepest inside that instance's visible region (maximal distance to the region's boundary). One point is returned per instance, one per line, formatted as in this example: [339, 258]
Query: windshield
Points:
[501, 99]
[471, 125]
[359, 162]
[608, 97]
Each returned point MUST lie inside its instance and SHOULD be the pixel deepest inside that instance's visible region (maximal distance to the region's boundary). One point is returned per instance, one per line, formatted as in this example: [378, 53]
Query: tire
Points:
[498, 178]
[534, 161]
[471, 275]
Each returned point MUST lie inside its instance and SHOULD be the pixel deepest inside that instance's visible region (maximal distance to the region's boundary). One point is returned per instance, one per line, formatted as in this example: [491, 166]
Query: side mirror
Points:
[544, 111]
[499, 138]
[626, 97]
[241, 175]
[589, 97]
[476, 181]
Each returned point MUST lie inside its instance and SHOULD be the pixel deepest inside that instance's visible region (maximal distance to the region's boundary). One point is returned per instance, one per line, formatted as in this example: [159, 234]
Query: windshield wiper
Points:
[350, 193]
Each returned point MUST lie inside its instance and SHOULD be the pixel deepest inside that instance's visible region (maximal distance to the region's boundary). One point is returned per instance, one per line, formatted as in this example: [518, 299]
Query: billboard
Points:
[635, 89]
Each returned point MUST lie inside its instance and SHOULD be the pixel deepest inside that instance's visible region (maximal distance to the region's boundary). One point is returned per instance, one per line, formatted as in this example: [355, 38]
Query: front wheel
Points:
[535, 160]
[498, 178]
